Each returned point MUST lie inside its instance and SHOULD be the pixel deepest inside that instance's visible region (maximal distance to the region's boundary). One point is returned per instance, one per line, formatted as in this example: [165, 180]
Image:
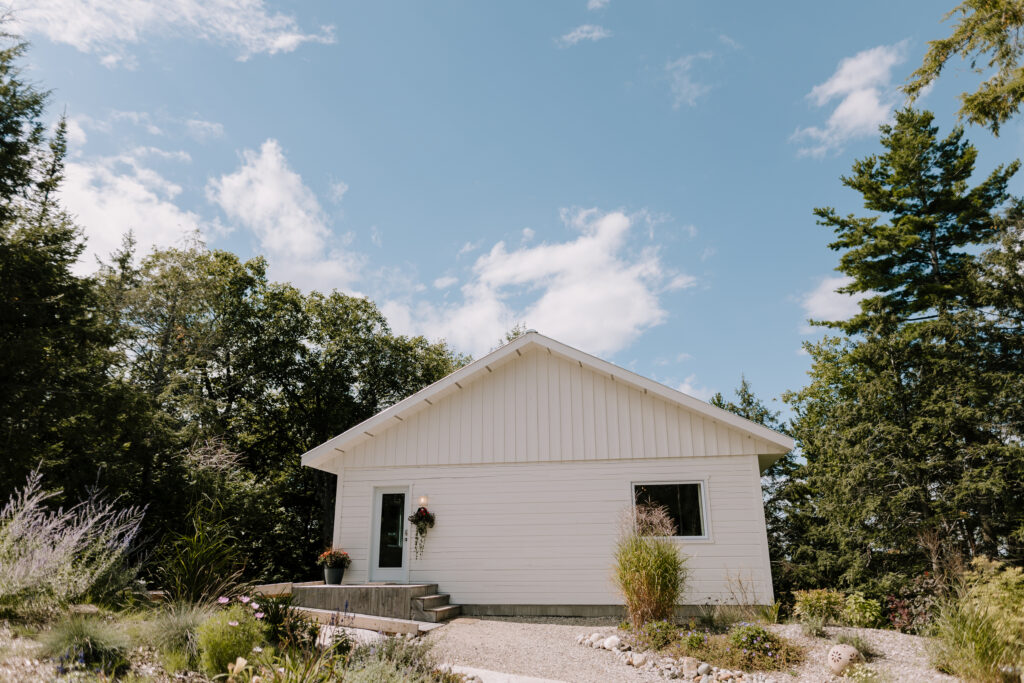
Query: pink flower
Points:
[222, 600]
[245, 599]
[255, 605]
[232, 623]
[259, 615]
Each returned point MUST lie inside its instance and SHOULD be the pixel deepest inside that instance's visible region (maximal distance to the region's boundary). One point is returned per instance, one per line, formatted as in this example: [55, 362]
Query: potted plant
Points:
[334, 562]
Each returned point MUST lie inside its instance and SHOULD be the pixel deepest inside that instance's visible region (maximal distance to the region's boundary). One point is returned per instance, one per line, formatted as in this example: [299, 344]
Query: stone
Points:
[638, 659]
[689, 665]
[594, 639]
[611, 643]
[703, 668]
[841, 657]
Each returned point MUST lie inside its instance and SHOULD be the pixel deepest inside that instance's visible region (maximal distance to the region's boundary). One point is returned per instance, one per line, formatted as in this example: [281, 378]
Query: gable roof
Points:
[321, 456]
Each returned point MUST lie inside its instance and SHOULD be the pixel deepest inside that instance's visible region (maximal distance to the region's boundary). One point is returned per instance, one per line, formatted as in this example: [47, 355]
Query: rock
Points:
[689, 665]
[594, 639]
[638, 659]
[840, 657]
[611, 643]
[703, 668]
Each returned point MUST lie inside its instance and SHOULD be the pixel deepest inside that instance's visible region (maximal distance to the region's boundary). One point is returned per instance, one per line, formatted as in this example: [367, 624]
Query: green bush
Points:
[979, 632]
[203, 565]
[87, 641]
[861, 611]
[650, 570]
[287, 628]
[401, 659]
[657, 635]
[175, 633]
[813, 627]
[863, 647]
[227, 635]
[746, 646]
[821, 603]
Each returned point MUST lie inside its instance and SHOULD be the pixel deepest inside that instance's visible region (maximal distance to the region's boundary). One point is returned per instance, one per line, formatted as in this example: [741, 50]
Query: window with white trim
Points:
[684, 502]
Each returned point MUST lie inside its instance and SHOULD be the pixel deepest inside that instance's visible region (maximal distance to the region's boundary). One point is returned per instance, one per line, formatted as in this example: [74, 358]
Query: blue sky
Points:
[634, 179]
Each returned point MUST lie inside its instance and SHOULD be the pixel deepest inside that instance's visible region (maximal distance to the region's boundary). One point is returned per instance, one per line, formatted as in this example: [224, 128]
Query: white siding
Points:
[540, 408]
[543, 532]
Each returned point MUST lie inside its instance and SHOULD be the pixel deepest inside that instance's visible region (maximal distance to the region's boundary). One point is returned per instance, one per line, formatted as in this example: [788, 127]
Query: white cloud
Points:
[825, 303]
[445, 282]
[267, 197]
[862, 85]
[138, 118]
[685, 89]
[109, 196]
[76, 133]
[106, 27]
[730, 42]
[690, 387]
[528, 234]
[589, 32]
[591, 291]
[338, 190]
[203, 130]
[376, 237]
[597, 4]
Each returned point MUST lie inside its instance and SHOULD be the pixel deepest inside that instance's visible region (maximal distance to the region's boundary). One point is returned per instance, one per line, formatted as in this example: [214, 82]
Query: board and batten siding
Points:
[528, 468]
[543, 407]
[543, 533]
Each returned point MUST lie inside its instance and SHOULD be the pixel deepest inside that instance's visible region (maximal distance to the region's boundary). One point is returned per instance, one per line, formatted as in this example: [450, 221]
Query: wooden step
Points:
[436, 614]
[431, 601]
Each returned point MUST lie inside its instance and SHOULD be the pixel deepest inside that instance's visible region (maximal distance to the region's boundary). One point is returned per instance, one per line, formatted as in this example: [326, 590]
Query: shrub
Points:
[821, 603]
[746, 646]
[979, 632]
[227, 635]
[656, 635]
[412, 660]
[861, 611]
[770, 614]
[87, 641]
[813, 627]
[288, 628]
[49, 558]
[175, 631]
[650, 571]
[202, 565]
[911, 608]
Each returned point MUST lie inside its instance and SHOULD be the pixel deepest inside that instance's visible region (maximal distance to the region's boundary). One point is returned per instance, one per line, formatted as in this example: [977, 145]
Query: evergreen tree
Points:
[911, 424]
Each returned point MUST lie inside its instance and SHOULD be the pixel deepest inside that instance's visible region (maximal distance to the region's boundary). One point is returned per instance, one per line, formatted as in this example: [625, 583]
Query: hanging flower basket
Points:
[422, 519]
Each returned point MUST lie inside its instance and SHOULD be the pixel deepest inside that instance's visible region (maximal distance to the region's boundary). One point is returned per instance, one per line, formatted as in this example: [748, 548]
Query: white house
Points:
[528, 457]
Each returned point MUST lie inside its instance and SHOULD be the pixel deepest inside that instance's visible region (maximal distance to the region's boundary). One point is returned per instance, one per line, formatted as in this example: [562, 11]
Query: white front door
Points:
[388, 554]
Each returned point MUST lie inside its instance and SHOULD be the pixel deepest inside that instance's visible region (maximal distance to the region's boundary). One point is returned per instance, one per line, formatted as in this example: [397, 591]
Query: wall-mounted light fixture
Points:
[423, 501]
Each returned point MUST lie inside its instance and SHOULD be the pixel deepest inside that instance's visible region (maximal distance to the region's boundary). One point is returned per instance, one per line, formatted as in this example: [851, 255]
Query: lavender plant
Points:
[51, 557]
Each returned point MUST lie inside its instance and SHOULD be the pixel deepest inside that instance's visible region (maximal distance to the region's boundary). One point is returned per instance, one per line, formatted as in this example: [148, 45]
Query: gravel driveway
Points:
[546, 648]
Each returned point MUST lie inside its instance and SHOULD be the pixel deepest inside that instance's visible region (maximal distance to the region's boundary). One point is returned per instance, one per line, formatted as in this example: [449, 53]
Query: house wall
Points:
[543, 407]
[543, 533]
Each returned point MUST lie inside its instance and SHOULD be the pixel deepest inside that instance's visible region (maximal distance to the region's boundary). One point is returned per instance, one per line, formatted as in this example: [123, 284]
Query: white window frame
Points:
[702, 492]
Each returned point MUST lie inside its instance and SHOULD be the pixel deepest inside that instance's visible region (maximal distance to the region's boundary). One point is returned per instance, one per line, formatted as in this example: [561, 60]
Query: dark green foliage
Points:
[289, 629]
[912, 423]
[987, 34]
[202, 564]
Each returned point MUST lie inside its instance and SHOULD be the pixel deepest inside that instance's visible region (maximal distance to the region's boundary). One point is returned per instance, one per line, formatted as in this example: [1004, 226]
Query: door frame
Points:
[390, 574]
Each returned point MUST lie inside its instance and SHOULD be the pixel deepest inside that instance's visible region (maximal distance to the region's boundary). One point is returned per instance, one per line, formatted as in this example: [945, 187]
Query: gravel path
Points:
[546, 648]
[539, 647]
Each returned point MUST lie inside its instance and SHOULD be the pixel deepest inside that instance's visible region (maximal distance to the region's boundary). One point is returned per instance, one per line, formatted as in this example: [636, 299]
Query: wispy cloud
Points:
[597, 4]
[589, 32]
[685, 88]
[203, 130]
[593, 291]
[106, 27]
[862, 85]
[825, 303]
